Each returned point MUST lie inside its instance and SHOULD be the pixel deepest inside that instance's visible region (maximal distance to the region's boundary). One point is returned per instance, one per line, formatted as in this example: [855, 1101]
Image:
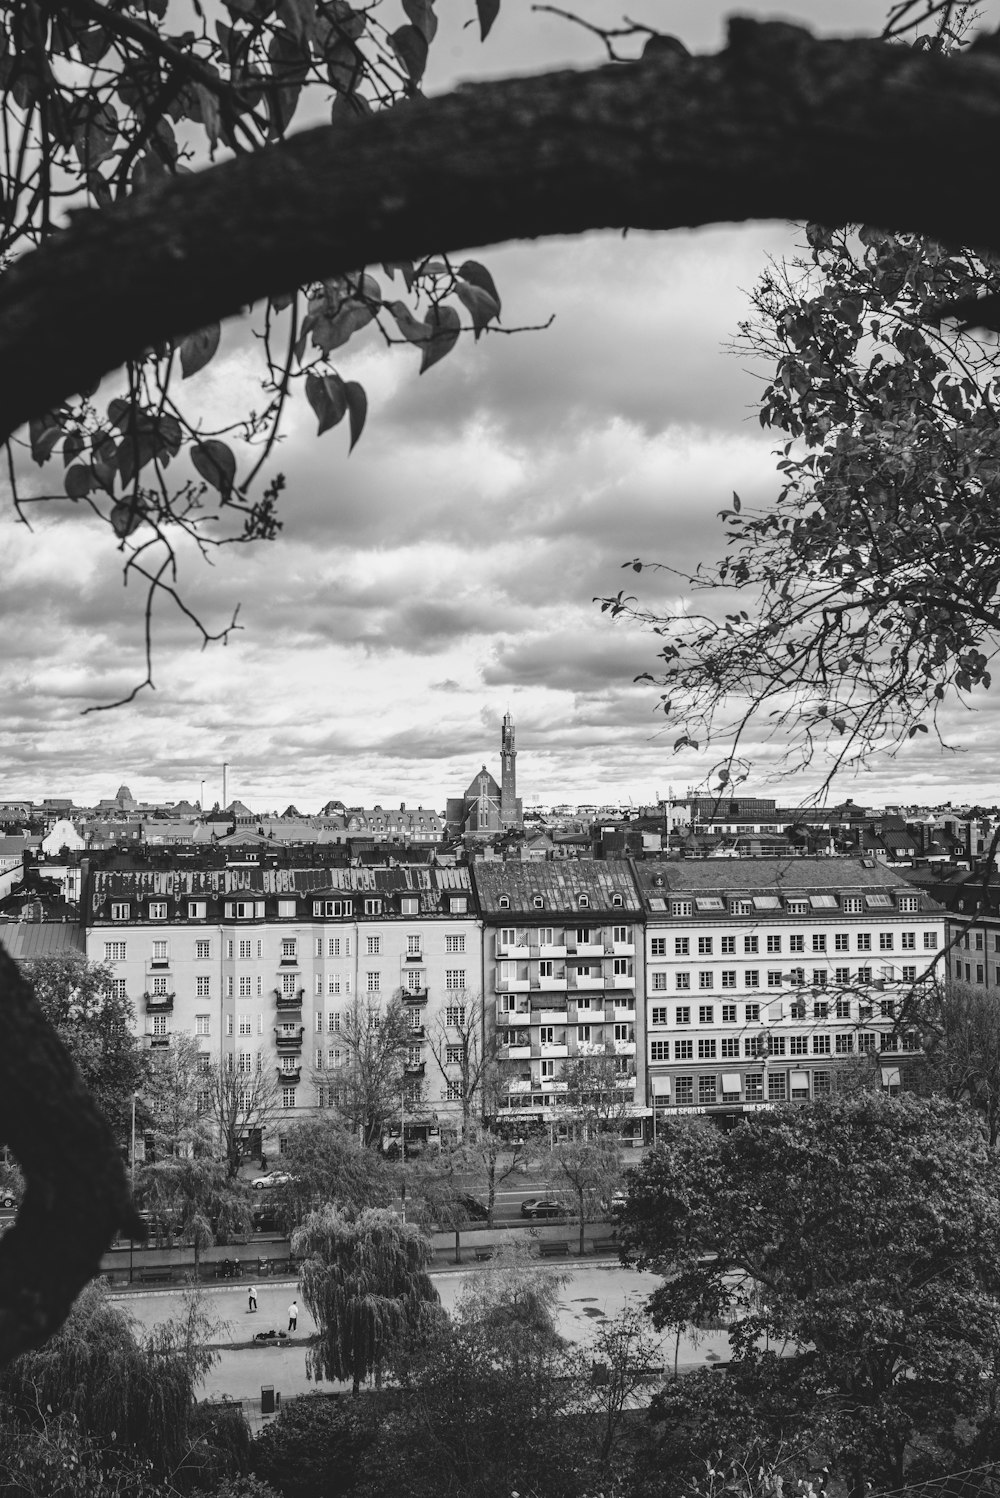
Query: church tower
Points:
[510, 806]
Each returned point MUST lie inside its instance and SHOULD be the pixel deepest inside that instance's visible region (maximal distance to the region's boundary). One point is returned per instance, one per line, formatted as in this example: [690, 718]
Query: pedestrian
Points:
[252, 1293]
[293, 1315]
[263, 1160]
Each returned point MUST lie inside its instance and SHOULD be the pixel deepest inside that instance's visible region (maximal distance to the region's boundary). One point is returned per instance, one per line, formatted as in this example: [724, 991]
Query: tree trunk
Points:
[779, 125]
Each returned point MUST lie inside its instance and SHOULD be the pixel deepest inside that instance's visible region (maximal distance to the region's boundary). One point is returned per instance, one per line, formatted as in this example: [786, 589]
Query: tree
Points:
[329, 1163]
[238, 1103]
[96, 1025]
[368, 1090]
[199, 1199]
[471, 1045]
[365, 1283]
[170, 1097]
[595, 1096]
[960, 1033]
[589, 1170]
[857, 1233]
[342, 210]
[315, 1446]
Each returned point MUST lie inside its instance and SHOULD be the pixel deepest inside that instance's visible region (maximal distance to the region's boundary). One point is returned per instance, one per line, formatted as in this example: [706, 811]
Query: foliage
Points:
[199, 1199]
[365, 1283]
[123, 1393]
[314, 1447]
[97, 1028]
[220, 1451]
[99, 104]
[589, 1170]
[55, 1459]
[851, 609]
[628, 1358]
[169, 1099]
[594, 1092]
[329, 1163]
[511, 1293]
[856, 1233]
[473, 1035]
[960, 1030]
[368, 1090]
[499, 1151]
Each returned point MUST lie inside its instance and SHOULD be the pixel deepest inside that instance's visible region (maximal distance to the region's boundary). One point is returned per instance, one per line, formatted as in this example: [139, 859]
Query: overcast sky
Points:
[443, 574]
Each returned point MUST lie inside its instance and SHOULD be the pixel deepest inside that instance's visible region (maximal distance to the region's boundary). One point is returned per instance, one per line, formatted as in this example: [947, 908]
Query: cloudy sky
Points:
[444, 573]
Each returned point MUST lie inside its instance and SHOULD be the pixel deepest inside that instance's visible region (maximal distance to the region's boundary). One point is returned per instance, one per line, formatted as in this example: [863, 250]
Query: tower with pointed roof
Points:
[510, 806]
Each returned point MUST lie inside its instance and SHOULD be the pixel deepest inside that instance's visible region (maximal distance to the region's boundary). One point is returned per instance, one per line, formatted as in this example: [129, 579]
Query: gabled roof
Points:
[42, 938]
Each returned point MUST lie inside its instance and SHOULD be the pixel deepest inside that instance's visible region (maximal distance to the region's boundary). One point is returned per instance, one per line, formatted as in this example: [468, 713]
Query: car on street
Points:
[616, 1202]
[7, 1199]
[475, 1209]
[273, 1178]
[543, 1206]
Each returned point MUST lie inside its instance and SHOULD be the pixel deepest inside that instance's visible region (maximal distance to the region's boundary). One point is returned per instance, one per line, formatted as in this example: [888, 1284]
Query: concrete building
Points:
[762, 974]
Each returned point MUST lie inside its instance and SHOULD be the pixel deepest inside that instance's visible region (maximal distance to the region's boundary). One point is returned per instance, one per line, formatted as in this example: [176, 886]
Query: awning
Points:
[661, 1086]
[878, 902]
[709, 902]
[766, 902]
[890, 1076]
[799, 1079]
[730, 1081]
[823, 902]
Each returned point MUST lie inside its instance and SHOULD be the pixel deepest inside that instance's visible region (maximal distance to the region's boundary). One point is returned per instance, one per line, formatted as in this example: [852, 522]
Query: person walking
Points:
[252, 1293]
[293, 1315]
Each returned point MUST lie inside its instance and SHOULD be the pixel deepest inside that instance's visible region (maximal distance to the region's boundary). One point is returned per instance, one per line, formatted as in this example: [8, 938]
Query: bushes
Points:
[315, 1446]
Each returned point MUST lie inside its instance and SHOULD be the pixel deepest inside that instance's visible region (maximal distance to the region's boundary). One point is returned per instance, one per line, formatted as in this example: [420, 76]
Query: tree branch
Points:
[779, 125]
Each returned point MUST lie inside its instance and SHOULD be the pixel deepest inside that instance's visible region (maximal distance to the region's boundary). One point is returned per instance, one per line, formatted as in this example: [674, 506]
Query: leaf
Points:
[481, 305]
[487, 10]
[331, 333]
[134, 453]
[283, 300]
[44, 432]
[126, 516]
[478, 275]
[118, 412]
[421, 13]
[357, 406]
[94, 139]
[328, 398]
[197, 349]
[736, 502]
[410, 327]
[216, 464]
[405, 268]
[445, 325]
[72, 447]
[79, 480]
[410, 46]
[210, 116]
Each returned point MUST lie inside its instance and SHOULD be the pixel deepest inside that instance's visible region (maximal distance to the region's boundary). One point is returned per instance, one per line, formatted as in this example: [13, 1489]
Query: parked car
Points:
[616, 1202]
[7, 1199]
[543, 1206]
[477, 1212]
[273, 1178]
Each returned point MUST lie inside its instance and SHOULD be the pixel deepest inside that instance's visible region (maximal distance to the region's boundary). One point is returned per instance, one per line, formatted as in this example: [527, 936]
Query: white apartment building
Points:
[762, 975]
[262, 965]
[562, 968]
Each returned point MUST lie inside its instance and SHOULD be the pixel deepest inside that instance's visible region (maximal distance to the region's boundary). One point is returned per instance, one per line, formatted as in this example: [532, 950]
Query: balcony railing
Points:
[414, 995]
[288, 1040]
[289, 1075]
[159, 1042]
[159, 1003]
[414, 1068]
[416, 1032]
[289, 1000]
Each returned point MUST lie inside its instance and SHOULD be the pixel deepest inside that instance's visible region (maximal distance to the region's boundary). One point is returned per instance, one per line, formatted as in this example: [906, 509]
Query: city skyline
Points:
[445, 572]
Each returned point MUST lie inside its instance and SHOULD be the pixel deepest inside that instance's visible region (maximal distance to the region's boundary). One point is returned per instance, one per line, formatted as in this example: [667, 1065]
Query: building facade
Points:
[762, 976]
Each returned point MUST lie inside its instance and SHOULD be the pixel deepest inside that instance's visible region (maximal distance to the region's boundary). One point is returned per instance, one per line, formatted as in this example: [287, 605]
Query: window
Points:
[729, 978]
[119, 912]
[197, 910]
[843, 1009]
[658, 1015]
[159, 985]
[246, 1025]
[454, 977]
[730, 1048]
[777, 1087]
[682, 980]
[841, 975]
[621, 934]
[657, 945]
[333, 907]
[159, 1024]
[844, 1044]
[930, 940]
[864, 941]
[624, 1032]
[288, 981]
[246, 986]
[796, 907]
[819, 980]
[546, 969]
[774, 977]
[706, 1014]
[706, 1050]
[706, 1089]
[910, 974]
[682, 946]
[704, 946]
[374, 946]
[454, 943]
[774, 943]
[821, 1084]
[288, 949]
[659, 981]
[729, 1014]
[728, 946]
[752, 1014]
[333, 946]
[751, 977]
[114, 951]
[755, 1045]
[659, 1050]
[819, 941]
[684, 1090]
[286, 908]
[754, 1088]
[887, 1008]
[842, 941]
[229, 1024]
[741, 907]
[885, 941]
[776, 1045]
[908, 940]
[504, 902]
[681, 907]
[454, 1015]
[583, 1034]
[864, 975]
[453, 1092]
[288, 1097]
[119, 988]
[373, 982]
[908, 902]
[796, 943]
[203, 987]
[798, 1045]
[683, 1050]
[796, 976]
[866, 1043]
[546, 1070]
[706, 980]
[682, 1015]
[821, 1045]
[751, 944]
[852, 904]
[157, 910]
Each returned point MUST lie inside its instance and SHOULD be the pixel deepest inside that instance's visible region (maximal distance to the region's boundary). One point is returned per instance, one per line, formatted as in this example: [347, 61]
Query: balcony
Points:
[621, 980]
[544, 983]
[624, 1047]
[414, 995]
[416, 1032]
[511, 948]
[550, 1016]
[289, 962]
[512, 985]
[159, 964]
[621, 949]
[518, 1016]
[593, 948]
[288, 1075]
[551, 949]
[159, 1003]
[289, 1000]
[589, 981]
[515, 1052]
[159, 1042]
[413, 1068]
[289, 1038]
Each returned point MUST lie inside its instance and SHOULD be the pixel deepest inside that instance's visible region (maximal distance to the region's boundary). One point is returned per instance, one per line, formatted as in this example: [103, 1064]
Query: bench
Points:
[553, 1250]
[482, 1254]
[155, 1276]
[604, 1246]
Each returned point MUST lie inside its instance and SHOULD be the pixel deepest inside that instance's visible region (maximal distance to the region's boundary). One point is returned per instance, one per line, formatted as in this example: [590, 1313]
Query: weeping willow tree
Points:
[366, 1285]
[130, 1398]
[198, 1199]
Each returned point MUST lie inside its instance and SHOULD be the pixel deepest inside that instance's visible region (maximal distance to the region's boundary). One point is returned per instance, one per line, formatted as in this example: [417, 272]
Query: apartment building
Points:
[262, 965]
[762, 975]
[562, 977]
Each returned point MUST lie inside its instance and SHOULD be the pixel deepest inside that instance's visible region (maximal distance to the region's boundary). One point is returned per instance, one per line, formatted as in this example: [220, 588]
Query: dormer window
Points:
[504, 902]
[119, 912]
[157, 910]
[584, 901]
[286, 908]
[373, 907]
[617, 900]
[538, 902]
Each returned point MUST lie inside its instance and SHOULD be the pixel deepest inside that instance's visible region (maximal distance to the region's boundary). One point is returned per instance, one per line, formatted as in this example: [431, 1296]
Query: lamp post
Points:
[131, 1240]
[402, 1146]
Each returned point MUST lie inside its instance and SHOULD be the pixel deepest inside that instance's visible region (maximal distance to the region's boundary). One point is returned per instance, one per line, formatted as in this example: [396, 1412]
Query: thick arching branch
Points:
[779, 125]
[76, 1195]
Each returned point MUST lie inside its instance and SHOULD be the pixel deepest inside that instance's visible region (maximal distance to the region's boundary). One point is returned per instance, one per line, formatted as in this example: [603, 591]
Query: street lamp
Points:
[131, 1240]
